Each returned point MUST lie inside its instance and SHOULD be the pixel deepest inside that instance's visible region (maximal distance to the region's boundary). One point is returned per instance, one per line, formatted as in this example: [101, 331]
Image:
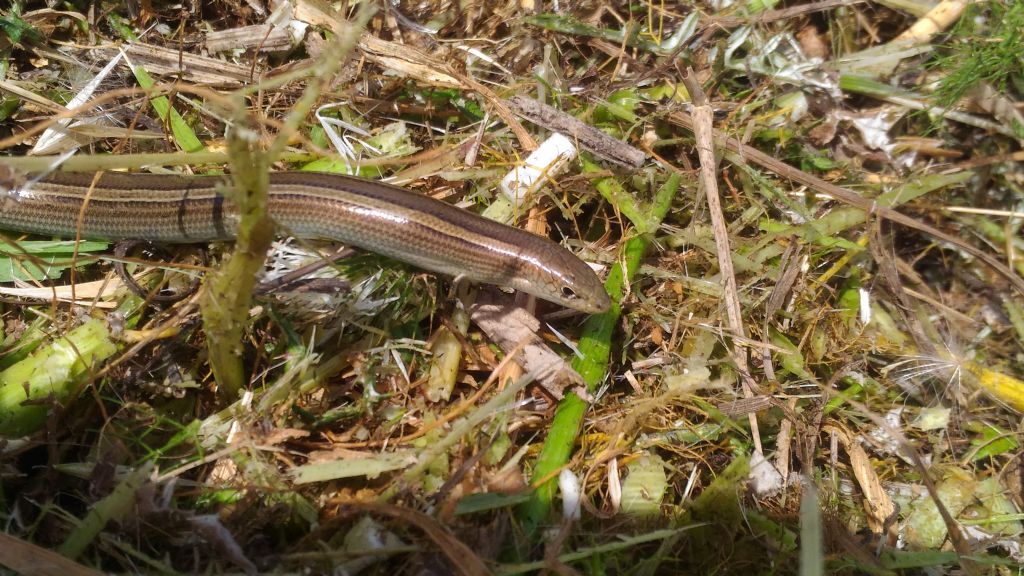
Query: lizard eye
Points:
[569, 293]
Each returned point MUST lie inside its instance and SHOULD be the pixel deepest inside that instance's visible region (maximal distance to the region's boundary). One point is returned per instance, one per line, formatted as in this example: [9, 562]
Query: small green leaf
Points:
[7, 107]
[326, 164]
[991, 441]
[645, 487]
[820, 163]
[184, 137]
[121, 27]
[16, 29]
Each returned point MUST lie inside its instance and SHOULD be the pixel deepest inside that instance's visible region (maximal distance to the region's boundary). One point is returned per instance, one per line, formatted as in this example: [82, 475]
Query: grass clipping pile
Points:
[807, 218]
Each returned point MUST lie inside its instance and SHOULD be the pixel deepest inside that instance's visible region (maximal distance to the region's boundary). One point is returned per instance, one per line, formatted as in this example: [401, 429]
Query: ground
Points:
[806, 216]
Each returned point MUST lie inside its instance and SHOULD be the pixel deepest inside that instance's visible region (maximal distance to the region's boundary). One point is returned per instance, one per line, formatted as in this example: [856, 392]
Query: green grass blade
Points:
[115, 506]
[592, 365]
[184, 137]
[616, 195]
[812, 539]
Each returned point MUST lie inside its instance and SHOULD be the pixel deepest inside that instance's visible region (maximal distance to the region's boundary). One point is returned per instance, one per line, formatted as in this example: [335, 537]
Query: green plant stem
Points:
[612, 191]
[53, 373]
[914, 101]
[592, 363]
[225, 302]
[624, 543]
[574, 27]
[812, 546]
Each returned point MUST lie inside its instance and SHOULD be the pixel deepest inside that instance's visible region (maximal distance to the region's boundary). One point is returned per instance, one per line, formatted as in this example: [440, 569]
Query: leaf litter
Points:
[808, 217]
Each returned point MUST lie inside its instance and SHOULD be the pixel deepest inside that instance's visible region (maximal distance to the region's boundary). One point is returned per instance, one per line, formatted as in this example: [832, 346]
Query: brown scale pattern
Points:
[374, 216]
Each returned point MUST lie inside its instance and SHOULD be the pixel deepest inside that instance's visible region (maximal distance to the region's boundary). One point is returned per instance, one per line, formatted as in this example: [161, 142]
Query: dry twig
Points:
[703, 129]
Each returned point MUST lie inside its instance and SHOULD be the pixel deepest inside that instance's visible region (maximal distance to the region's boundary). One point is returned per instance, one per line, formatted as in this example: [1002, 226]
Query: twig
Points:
[908, 450]
[703, 129]
[463, 559]
[413, 62]
[848, 197]
[790, 268]
[936, 20]
[27, 558]
[588, 137]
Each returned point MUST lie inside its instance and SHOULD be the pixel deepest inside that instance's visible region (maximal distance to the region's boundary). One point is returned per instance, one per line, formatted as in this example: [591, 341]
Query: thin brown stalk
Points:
[848, 197]
[703, 129]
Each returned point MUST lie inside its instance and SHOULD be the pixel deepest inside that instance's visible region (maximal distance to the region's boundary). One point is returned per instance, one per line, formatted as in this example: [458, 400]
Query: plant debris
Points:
[807, 217]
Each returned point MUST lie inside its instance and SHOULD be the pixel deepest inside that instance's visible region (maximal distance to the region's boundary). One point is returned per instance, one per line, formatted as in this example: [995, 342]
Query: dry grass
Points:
[815, 283]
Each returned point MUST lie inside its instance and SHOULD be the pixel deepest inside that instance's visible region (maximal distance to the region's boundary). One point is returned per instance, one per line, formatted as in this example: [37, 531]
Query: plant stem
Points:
[592, 363]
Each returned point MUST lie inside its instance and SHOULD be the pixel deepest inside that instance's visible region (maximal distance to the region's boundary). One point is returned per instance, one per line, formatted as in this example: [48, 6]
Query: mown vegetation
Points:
[807, 215]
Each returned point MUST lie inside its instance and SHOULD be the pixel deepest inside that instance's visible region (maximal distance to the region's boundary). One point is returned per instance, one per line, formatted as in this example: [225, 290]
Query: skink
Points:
[374, 216]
